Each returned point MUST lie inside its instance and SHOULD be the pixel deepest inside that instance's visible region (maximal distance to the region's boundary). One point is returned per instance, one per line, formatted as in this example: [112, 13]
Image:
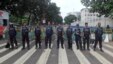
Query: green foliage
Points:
[35, 10]
[52, 13]
[58, 19]
[70, 18]
[104, 7]
[85, 3]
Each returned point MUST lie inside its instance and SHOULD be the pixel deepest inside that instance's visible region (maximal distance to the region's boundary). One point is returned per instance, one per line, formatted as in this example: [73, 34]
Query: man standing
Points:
[48, 37]
[60, 32]
[25, 36]
[86, 37]
[69, 37]
[78, 37]
[12, 36]
[38, 36]
[98, 37]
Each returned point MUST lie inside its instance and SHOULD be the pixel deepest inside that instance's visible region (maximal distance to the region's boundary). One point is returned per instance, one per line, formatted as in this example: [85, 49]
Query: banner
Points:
[108, 31]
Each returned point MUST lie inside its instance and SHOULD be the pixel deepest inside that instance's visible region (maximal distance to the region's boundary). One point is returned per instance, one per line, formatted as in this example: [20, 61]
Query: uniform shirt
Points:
[86, 31]
[77, 32]
[25, 30]
[69, 32]
[60, 31]
[37, 31]
[49, 31]
[12, 32]
[99, 32]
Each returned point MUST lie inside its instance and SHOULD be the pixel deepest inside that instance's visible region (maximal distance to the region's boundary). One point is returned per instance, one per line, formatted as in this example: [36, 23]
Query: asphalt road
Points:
[54, 55]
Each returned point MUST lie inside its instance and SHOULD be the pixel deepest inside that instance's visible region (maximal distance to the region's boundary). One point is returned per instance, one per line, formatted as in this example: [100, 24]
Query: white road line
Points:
[62, 56]
[80, 56]
[26, 56]
[7, 56]
[44, 57]
[108, 46]
[2, 50]
[108, 52]
[2, 44]
[100, 57]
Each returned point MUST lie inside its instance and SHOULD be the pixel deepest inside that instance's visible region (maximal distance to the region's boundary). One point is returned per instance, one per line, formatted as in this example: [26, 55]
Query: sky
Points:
[67, 6]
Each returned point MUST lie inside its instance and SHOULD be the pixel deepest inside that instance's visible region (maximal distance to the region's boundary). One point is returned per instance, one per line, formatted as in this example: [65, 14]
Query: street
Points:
[55, 56]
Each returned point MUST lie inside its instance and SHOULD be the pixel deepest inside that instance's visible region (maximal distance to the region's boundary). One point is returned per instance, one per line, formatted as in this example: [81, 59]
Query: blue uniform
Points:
[38, 36]
[86, 38]
[60, 36]
[69, 33]
[12, 36]
[98, 37]
[78, 38]
[48, 38]
[25, 36]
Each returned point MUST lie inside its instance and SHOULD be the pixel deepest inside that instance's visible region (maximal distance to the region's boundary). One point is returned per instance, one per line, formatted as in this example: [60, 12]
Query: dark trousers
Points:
[25, 39]
[13, 41]
[86, 41]
[60, 39]
[96, 42]
[48, 41]
[78, 42]
[38, 41]
[69, 42]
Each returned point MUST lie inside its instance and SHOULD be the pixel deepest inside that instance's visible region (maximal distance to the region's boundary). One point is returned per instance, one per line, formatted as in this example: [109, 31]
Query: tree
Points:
[34, 10]
[70, 18]
[52, 12]
[58, 19]
[85, 3]
[104, 7]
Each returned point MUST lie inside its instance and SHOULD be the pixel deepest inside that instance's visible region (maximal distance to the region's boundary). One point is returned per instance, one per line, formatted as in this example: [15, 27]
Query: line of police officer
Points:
[79, 36]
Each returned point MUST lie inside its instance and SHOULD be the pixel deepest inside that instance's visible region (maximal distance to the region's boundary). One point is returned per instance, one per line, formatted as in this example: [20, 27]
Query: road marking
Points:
[26, 56]
[2, 50]
[7, 56]
[2, 44]
[80, 56]
[2, 59]
[100, 57]
[108, 46]
[63, 56]
[108, 52]
[44, 57]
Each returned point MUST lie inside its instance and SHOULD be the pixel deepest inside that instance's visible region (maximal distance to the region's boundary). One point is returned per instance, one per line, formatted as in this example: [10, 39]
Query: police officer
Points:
[48, 37]
[12, 36]
[25, 36]
[78, 37]
[60, 32]
[98, 37]
[69, 37]
[86, 31]
[38, 36]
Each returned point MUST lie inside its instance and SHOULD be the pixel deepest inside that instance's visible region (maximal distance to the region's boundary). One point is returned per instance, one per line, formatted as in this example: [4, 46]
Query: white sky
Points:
[67, 6]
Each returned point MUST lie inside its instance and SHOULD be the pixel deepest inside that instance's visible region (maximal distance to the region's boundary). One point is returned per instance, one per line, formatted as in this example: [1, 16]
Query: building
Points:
[93, 19]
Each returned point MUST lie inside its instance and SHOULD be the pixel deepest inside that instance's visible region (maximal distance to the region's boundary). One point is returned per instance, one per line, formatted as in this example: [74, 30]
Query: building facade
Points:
[92, 19]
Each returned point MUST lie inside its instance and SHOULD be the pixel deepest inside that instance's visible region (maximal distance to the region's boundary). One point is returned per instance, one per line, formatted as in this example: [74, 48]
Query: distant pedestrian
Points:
[38, 36]
[69, 33]
[12, 36]
[98, 37]
[86, 37]
[25, 36]
[48, 36]
[78, 37]
[60, 33]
